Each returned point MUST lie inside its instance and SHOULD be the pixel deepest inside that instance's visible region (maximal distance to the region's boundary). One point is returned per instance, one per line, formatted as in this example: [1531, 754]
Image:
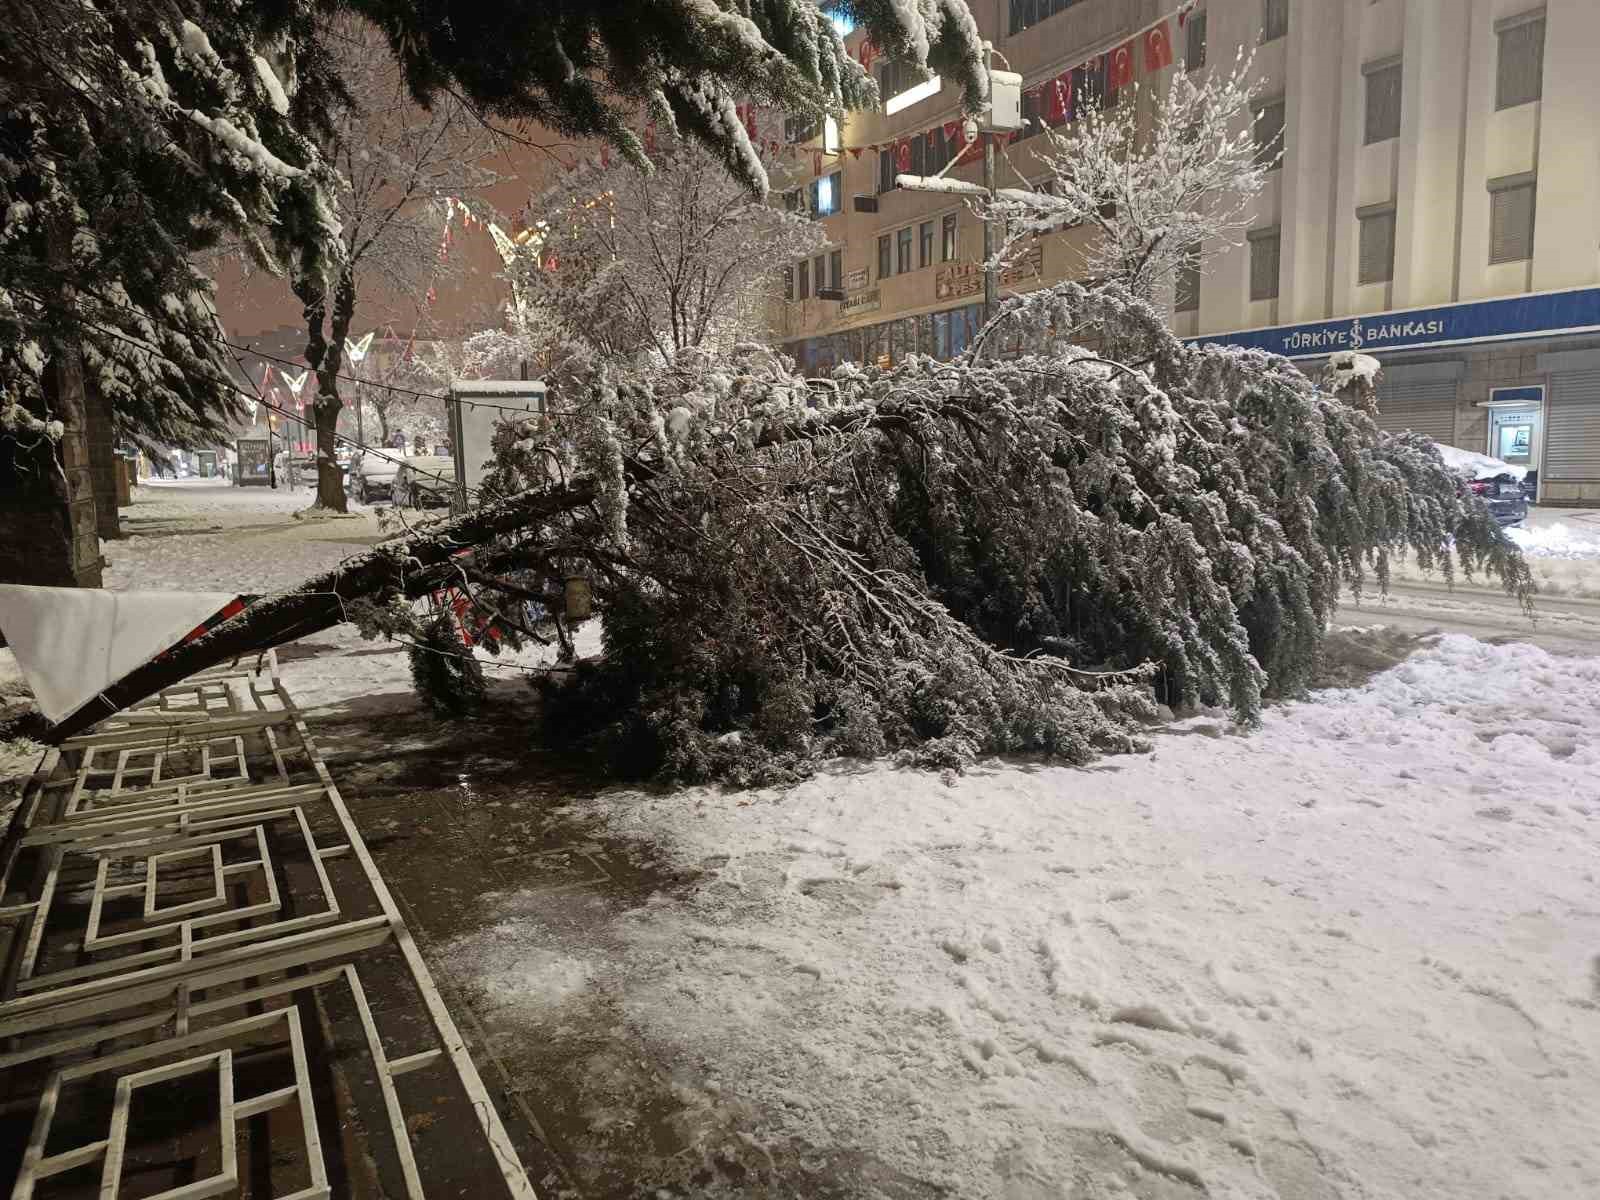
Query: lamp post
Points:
[1002, 115]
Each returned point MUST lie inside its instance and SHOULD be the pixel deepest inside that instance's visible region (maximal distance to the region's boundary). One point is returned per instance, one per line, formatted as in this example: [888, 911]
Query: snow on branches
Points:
[171, 131]
[626, 262]
[1163, 191]
[966, 558]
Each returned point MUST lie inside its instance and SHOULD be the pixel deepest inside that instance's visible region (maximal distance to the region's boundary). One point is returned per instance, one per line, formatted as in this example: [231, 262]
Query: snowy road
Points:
[1562, 625]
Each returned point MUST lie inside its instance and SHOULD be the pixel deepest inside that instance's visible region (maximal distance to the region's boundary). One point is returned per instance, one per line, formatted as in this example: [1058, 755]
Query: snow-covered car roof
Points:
[422, 464]
[376, 466]
[1478, 466]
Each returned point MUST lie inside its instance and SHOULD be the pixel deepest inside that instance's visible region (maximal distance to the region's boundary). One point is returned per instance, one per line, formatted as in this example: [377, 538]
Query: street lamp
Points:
[1003, 114]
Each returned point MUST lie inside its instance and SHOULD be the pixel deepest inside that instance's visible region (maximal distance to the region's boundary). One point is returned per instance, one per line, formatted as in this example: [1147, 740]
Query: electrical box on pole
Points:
[1003, 113]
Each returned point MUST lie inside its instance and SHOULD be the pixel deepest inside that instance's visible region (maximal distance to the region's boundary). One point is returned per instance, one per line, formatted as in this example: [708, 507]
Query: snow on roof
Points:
[498, 387]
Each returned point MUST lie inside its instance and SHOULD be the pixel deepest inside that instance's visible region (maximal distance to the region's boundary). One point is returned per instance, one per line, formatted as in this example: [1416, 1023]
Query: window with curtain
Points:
[947, 246]
[1274, 20]
[1519, 77]
[1194, 46]
[1188, 283]
[925, 244]
[1264, 247]
[1511, 216]
[1375, 255]
[1269, 133]
[903, 251]
[1383, 102]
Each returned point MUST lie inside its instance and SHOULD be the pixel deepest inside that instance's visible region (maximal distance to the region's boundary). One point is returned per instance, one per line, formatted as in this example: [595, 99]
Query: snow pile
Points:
[1470, 465]
[1345, 367]
[1349, 955]
[1559, 540]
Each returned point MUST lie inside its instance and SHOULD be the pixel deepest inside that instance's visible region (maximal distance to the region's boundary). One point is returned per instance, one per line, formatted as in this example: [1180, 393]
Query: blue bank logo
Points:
[1485, 320]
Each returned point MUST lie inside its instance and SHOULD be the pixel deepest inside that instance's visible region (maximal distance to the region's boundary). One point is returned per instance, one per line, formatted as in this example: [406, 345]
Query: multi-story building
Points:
[1437, 205]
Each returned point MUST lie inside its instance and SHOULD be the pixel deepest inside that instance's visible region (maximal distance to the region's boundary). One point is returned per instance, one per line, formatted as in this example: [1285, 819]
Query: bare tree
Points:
[1162, 193]
[623, 261]
[401, 164]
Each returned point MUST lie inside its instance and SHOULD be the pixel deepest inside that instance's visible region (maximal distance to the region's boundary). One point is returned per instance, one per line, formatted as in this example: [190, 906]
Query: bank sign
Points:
[1481, 321]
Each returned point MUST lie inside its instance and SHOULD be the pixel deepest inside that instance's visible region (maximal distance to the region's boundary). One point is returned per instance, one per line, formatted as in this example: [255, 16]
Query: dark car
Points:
[425, 481]
[1501, 486]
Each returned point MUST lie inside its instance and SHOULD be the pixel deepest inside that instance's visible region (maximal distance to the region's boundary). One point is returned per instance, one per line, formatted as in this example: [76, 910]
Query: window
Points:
[826, 191]
[903, 251]
[885, 266]
[1519, 78]
[925, 244]
[803, 288]
[918, 156]
[1091, 87]
[1033, 110]
[936, 154]
[886, 171]
[788, 283]
[1188, 283]
[1027, 13]
[947, 245]
[1274, 20]
[897, 77]
[836, 268]
[1269, 133]
[793, 201]
[1376, 253]
[819, 271]
[1511, 213]
[1194, 52]
[1264, 264]
[802, 128]
[1383, 100]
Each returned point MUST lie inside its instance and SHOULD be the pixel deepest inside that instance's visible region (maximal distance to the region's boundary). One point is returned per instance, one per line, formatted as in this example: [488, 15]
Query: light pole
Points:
[1003, 114]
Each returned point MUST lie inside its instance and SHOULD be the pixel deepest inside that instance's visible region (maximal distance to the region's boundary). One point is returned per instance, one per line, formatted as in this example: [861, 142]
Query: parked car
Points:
[371, 477]
[1499, 484]
[305, 468]
[425, 481]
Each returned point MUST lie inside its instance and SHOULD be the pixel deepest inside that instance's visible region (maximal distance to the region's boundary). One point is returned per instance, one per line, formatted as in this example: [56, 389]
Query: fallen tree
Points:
[952, 559]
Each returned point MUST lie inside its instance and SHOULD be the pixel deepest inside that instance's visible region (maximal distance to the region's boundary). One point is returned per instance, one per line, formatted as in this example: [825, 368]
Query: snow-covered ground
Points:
[1352, 954]
[1563, 549]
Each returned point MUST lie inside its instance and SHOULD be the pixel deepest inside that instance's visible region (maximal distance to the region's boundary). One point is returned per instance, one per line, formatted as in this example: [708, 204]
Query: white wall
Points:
[1452, 143]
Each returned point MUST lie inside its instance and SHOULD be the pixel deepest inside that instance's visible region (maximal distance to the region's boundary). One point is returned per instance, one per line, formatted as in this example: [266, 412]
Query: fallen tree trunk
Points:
[412, 565]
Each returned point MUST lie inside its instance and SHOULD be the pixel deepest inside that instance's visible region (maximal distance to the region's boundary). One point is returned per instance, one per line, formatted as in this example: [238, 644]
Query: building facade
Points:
[1437, 204]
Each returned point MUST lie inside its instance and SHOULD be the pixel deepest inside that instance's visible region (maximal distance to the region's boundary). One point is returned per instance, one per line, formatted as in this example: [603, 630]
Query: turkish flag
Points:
[1060, 89]
[1119, 72]
[952, 136]
[1157, 47]
[902, 157]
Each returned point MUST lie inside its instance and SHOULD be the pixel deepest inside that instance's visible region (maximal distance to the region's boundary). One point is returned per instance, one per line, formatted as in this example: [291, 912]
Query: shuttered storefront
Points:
[1572, 436]
[1422, 406]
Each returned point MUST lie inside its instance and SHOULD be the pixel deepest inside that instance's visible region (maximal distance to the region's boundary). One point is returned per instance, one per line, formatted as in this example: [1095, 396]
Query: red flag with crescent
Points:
[1157, 47]
[1059, 91]
[1120, 74]
[902, 156]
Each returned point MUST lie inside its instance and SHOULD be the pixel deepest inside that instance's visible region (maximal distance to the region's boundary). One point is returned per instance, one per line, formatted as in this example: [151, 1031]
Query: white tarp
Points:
[73, 643]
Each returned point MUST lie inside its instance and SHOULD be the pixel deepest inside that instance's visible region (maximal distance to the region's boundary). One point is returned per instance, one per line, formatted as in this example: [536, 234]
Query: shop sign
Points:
[855, 280]
[862, 302]
[966, 279]
[1574, 311]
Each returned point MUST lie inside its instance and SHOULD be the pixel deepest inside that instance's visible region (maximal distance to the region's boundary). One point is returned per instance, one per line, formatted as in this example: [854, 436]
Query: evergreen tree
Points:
[585, 69]
[133, 135]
